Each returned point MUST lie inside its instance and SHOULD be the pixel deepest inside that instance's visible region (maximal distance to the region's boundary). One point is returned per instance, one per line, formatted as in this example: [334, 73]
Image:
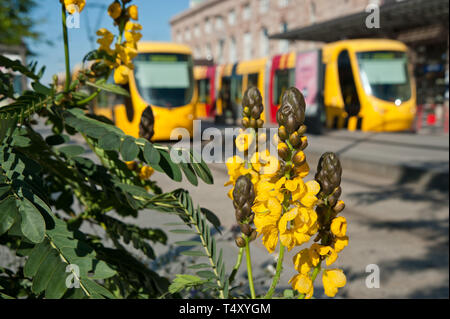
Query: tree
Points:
[15, 21]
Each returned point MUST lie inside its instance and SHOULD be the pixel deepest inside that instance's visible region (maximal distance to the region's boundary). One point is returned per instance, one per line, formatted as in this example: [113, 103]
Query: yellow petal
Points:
[291, 185]
[302, 283]
[333, 279]
[302, 261]
[340, 243]
[313, 187]
[339, 226]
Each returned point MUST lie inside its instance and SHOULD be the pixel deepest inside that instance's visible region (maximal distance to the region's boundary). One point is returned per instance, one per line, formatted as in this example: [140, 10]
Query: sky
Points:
[154, 16]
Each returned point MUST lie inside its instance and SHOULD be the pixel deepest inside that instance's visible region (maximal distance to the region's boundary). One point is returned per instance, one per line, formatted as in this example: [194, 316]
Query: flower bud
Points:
[339, 207]
[291, 113]
[334, 197]
[240, 242]
[283, 151]
[246, 229]
[243, 197]
[295, 139]
[133, 12]
[114, 10]
[299, 158]
[302, 130]
[253, 235]
[245, 122]
[328, 176]
[304, 143]
[252, 100]
[282, 133]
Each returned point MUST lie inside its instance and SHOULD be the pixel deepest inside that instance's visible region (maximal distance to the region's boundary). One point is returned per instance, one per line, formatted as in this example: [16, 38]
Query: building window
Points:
[283, 3]
[179, 37]
[284, 44]
[197, 31]
[247, 46]
[264, 6]
[187, 35]
[197, 52]
[220, 50]
[264, 42]
[232, 17]
[219, 23]
[209, 54]
[233, 51]
[208, 25]
[247, 13]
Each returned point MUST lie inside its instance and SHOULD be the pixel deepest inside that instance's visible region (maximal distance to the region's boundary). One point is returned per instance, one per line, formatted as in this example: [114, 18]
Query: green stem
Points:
[276, 278]
[236, 266]
[249, 268]
[66, 47]
[89, 98]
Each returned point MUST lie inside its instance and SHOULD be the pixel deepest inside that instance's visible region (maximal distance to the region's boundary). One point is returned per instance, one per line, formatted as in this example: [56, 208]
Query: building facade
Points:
[233, 30]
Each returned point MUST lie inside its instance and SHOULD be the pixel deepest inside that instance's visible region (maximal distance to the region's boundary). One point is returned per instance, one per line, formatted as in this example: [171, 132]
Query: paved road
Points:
[400, 228]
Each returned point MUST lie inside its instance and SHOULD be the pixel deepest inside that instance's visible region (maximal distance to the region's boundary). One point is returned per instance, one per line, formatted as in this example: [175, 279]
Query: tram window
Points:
[203, 90]
[347, 83]
[236, 89]
[284, 79]
[252, 80]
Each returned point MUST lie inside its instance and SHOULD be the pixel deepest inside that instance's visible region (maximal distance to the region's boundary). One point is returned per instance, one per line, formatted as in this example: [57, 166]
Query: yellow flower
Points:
[317, 250]
[267, 213]
[243, 141]
[132, 38]
[302, 170]
[114, 10]
[265, 190]
[131, 165]
[332, 280]
[295, 225]
[121, 74]
[230, 193]
[125, 55]
[146, 172]
[133, 12]
[340, 243]
[264, 163]
[302, 261]
[302, 283]
[73, 6]
[105, 40]
[297, 187]
[234, 164]
[339, 226]
[132, 26]
[270, 237]
[309, 199]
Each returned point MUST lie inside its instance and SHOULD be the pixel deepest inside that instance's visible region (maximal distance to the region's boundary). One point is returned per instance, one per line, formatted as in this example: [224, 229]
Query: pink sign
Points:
[307, 75]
